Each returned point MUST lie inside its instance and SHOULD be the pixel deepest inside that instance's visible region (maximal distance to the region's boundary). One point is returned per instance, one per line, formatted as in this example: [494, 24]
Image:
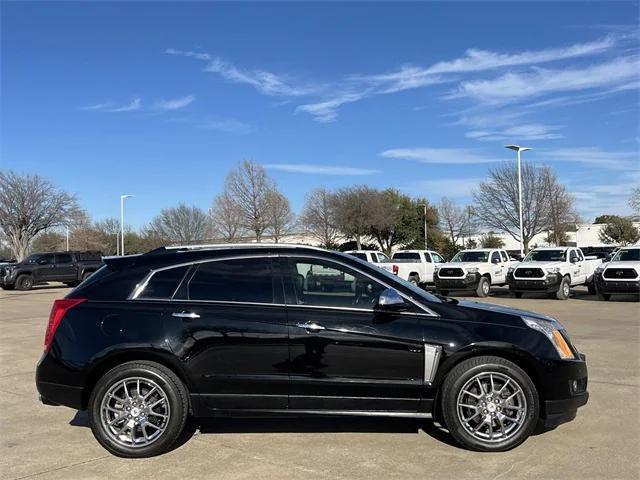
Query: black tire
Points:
[24, 282]
[72, 284]
[592, 289]
[175, 393]
[86, 275]
[604, 296]
[517, 294]
[444, 293]
[8, 287]
[564, 290]
[462, 373]
[484, 287]
[415, 279]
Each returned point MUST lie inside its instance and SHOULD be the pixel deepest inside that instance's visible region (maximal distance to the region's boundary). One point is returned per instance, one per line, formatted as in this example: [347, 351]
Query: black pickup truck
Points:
[67, 267]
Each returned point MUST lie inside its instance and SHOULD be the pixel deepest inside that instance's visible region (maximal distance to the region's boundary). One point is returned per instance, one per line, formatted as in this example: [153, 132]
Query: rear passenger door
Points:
[65, 269]
[231, 333]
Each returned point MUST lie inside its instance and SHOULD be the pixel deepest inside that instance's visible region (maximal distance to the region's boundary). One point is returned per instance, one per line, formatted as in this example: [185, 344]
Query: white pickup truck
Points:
[371, 256]
[553, 270]
[475, 269]
[415, 266]
[621, 275]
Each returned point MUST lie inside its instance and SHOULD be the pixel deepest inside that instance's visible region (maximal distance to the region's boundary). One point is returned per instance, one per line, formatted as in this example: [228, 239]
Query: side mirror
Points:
[42, 261]
[495, 260]
[391, 301]
[574, 260]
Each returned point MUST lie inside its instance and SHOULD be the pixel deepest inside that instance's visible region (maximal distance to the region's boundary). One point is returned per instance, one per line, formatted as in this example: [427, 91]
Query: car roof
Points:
[362, 251]
[553, 248]
[480, 249]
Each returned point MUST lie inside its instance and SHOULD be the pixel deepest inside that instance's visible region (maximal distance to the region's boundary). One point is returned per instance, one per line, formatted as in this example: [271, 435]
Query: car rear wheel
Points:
[86, 275]
[484, 287]
[489, 404]
[138, 409]
[414, 279]
[564, 290]
[24, 282]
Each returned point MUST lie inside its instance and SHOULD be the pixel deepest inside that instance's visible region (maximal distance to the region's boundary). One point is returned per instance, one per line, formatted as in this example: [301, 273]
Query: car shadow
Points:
[300, 424]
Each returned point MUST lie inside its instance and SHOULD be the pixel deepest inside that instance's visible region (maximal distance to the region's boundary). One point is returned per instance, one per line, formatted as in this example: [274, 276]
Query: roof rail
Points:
[215, 246]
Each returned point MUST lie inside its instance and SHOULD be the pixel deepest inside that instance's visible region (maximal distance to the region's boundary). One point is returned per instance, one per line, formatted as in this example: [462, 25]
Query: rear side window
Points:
[164, 283]
[361, 256]
[63, 258]
[406, 256]
[238, 280]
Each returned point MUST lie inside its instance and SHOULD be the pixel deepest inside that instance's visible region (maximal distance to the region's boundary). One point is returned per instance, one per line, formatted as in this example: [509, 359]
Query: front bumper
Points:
[616, 286]
[550, 283]
[558, 412]
[469, 282]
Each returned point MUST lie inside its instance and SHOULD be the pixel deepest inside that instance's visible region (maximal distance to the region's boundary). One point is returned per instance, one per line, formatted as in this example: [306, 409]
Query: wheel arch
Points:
[105, 364]
[504, 350]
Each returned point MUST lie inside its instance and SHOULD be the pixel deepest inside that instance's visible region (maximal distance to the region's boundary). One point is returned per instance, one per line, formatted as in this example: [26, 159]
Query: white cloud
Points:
[616, 160]
[439, 155]
[511, 87]
[227, 126]
[529, 131]
[176, 103]
[264, 81]
[320, 169]
[327, 111]
[135, 104]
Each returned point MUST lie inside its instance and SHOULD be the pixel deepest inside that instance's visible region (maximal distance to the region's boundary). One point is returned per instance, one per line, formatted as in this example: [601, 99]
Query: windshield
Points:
[406, 256]
[471, 256]
[546, 256]
[631, 255]
[393, 279]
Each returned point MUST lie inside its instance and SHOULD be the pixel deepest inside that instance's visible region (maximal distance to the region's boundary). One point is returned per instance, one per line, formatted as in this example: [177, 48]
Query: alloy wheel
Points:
[135, 412]
[492, 407]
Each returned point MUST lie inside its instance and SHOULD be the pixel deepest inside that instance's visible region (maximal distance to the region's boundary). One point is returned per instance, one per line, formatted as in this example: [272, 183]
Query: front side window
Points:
[360, 255]
[437, 258]
[573, 256]
[163, 283]
[238, 280]
[495, 257]
[326, 284]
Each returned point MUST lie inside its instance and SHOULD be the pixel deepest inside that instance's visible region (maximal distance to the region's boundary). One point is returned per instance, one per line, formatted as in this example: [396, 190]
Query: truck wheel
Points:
[24, 282]
[564, 290]
[517, 294]
[86, 275]
[444, 293]
[484, 287]
[489, 404]
[592, 289]
[604, 296]
[415, 279]
[138, 409]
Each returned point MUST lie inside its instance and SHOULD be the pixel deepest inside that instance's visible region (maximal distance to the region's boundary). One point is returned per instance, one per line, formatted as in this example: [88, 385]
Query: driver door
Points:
[498, 268]
[343, 354]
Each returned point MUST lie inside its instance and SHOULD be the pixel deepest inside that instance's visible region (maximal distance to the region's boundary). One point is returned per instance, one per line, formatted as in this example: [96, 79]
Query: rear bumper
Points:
[549, 284]
[48, 375]
[469, 282]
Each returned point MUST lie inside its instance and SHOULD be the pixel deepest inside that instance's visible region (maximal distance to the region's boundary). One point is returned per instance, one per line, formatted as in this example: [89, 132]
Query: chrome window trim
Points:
[140, 287]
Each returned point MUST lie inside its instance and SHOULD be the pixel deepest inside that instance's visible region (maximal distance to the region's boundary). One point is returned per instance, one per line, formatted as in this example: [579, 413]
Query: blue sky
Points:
[160, 100]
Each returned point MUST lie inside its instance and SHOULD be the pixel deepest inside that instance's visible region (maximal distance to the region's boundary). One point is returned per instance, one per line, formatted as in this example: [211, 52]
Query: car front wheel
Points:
[489, 404]
[138, 409]
[484, 287]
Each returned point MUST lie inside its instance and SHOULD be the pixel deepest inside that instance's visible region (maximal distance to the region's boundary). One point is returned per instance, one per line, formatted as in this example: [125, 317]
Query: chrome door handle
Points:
[185, 315]
[314, 327]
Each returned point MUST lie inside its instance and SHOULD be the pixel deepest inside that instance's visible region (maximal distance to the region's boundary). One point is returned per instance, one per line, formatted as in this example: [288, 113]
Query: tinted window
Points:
[427, 257]
[406, 256]
[45, 260]
[471, 256]
[321, 283]
[63, 258]
[361, 256]
[495, 257]
[240, 280]
[163, 283]
[546, 256]
[573, 255]
[505, 257]
[630, 255]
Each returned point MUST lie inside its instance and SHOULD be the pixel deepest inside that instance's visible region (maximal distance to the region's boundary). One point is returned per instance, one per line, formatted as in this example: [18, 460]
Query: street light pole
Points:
[122, 198]
[67, 227]
[519, 149]
[425, 223]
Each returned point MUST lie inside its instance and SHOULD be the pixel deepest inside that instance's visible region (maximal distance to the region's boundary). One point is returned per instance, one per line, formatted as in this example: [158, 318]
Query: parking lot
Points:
[55, 442]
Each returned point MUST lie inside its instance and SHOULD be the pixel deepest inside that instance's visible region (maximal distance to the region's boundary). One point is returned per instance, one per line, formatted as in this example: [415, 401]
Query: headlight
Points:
[551, 330]
[472, 270]
[599, 268]
[511, 269]
[553, 270]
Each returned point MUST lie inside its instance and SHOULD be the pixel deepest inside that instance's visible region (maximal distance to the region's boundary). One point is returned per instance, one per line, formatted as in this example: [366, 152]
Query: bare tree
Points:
[30, 204]
[249, 186]
[453, 219]
[280, 218]
[355, 210]
[319, 219]
[497, 201]
[562, 214]
[634, 200]
[108, 231]
[226, 216]
[181, 224]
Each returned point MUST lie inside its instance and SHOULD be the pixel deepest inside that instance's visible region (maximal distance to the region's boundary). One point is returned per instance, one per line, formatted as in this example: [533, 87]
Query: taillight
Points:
[58, 311]
[395, 269]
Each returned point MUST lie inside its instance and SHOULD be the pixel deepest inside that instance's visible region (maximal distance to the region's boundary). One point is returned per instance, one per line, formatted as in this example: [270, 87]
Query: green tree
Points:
[619, 231]
[491, 240]
[396, 220]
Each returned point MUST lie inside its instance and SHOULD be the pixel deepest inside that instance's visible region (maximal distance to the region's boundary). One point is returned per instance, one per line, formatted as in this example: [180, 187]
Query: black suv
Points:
[67, 267]
[242, 330]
